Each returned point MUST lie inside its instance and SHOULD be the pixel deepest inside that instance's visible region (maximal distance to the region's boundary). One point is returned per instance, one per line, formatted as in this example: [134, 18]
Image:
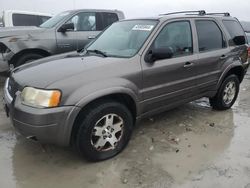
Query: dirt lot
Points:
[191, 146]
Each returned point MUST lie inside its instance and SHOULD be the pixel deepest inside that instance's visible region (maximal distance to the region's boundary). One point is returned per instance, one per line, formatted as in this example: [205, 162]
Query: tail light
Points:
[248, 52]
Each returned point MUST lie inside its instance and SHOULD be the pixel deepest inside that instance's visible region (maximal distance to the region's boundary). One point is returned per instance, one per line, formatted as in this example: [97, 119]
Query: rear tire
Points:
[227, 93]
[95, 139]
[27, 58]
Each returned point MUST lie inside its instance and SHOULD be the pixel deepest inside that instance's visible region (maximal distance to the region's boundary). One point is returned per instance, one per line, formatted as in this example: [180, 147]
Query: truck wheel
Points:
[27, 58]
[104, 131]
[227, 93]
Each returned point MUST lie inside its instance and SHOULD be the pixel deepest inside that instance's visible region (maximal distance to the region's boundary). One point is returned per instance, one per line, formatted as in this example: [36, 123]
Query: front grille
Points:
[12, 87]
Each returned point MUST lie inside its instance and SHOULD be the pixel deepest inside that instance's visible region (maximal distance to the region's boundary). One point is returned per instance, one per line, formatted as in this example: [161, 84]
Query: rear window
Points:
[234, 28]
[25, 20]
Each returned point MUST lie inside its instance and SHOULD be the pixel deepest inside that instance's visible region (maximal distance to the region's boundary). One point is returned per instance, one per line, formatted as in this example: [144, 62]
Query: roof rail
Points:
[220, 13]
[200, 12]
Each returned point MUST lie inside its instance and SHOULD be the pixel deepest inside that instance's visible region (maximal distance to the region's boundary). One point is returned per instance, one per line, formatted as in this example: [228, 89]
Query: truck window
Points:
[25, 20]
[43, 19]
[109, 18]
[84, 21]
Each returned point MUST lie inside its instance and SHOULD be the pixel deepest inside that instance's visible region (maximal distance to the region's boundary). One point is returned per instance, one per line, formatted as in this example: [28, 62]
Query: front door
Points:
[171, 80]
[85, 29]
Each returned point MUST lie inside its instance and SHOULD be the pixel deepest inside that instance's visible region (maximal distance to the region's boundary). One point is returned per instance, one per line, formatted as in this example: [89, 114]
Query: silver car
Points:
[67, 31]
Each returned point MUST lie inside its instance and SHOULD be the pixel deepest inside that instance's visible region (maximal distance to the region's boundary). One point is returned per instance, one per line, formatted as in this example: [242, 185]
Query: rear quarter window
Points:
[234, 28]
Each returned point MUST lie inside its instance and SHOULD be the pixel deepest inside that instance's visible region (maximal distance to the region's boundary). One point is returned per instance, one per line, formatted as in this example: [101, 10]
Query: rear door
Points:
[213, 52]
[171, 80]
[89, 25]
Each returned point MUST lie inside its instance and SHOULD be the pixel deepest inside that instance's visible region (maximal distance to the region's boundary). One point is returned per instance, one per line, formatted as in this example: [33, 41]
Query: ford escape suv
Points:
[92, 99]
[65, 32]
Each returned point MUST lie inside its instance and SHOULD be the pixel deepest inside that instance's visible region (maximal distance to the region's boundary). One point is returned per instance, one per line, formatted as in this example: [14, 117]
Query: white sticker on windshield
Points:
[143, 27]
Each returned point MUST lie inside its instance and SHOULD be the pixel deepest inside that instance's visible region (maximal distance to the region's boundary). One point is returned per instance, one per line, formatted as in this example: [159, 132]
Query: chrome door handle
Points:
[91, 37]
[223, 57]
[188, 64]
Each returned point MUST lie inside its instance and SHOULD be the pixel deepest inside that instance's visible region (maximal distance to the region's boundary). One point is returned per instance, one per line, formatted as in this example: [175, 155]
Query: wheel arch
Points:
[122, 97]
[28, 51]
[237, 70]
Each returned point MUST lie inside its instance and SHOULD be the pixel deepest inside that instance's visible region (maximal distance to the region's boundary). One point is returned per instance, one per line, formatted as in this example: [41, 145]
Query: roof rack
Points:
[200, 12]
[220, 13]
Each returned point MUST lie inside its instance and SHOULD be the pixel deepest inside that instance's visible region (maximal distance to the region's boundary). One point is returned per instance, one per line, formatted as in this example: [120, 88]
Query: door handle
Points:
[188, 64]
[223, 57]
[91, 37]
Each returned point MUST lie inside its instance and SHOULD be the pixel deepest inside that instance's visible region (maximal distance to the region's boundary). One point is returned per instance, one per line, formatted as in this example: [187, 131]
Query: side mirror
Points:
[159, 53]
[239, 40]
[66, 27]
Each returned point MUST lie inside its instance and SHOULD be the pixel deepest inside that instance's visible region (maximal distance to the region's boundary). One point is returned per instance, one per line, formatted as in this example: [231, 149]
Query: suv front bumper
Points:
[45, 125]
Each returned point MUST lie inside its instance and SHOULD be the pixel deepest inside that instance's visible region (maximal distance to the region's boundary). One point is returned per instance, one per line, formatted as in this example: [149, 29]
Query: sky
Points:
[133, 8]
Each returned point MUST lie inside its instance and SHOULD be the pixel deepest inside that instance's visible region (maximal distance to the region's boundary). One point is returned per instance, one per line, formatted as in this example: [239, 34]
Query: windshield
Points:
[123, 39]
[54, 20]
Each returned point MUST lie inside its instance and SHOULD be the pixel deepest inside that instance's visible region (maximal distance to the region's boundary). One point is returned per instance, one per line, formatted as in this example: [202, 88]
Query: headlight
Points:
[40, 98]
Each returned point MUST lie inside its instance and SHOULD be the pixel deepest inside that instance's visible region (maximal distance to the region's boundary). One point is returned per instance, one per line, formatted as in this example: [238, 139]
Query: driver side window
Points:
[176, 36]
[84, 21]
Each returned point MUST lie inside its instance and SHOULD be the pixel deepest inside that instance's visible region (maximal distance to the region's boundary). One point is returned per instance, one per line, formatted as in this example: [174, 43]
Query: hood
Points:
[14, 31]
[47, 71]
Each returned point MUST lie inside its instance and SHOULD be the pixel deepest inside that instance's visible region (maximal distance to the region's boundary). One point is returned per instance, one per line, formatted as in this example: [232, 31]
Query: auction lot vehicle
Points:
[11, 18]
[136, 68]
[65, 32]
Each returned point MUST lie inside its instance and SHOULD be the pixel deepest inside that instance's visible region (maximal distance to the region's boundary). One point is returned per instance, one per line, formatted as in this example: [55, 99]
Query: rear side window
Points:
[25, 20]
[109, 18]
[234, 28]
[210, 36]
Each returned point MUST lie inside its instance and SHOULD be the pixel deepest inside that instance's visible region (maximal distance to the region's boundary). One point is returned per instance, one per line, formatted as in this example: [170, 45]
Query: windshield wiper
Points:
[104, 54]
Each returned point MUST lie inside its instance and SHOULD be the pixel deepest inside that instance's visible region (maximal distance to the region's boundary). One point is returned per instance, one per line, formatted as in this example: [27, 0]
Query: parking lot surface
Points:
[190, 146]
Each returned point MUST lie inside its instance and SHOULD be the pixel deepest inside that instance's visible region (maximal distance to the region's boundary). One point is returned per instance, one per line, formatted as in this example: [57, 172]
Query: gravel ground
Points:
[190, 146]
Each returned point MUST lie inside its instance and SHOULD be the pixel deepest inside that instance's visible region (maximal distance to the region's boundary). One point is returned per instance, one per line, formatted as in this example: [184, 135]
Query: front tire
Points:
[104, 131]
[227, 93]
[27, 58]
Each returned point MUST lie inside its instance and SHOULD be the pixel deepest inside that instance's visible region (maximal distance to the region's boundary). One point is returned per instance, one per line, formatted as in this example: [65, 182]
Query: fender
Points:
[90, 92]
[226, 71]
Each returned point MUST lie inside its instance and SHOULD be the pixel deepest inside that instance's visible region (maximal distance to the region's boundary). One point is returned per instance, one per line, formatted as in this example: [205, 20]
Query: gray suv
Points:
[92, 99]
[67, 31]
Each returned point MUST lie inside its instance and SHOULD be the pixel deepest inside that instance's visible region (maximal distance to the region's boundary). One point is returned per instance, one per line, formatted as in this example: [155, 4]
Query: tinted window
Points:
[234, 28]
[209, 35]
[84, 21]
[177, 36]
[109, 18]
[25, 20]
[43, 19]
